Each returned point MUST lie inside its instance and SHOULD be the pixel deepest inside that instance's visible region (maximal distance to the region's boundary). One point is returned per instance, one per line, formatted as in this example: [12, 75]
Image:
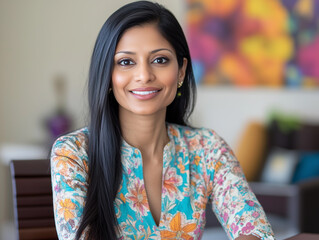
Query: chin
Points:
[145, 112]
[148, 111]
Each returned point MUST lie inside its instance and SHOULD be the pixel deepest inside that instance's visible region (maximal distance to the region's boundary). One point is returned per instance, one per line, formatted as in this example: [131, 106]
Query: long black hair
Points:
[105, 167]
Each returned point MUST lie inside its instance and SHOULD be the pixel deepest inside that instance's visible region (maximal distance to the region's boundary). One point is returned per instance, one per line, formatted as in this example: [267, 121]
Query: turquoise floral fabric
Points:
[198, 167]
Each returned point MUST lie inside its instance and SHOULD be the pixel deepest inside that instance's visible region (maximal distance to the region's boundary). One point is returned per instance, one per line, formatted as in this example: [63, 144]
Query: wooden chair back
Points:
[32, 196]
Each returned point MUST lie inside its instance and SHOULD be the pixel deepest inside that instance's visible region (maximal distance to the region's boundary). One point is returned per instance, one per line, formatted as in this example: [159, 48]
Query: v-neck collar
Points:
[133, 164]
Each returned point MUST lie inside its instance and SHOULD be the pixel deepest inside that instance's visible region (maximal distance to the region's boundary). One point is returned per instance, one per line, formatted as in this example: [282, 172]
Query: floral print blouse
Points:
[198, 167]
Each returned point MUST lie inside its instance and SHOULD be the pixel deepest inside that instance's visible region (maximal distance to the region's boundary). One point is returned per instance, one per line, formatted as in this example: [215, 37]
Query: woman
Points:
[139, 171]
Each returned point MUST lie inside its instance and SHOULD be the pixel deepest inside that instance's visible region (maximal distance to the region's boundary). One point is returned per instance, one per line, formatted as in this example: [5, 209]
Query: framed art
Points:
[272, 43]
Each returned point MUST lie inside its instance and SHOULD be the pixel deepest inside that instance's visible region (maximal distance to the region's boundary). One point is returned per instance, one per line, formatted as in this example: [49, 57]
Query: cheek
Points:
[171, 78]
[119, 82]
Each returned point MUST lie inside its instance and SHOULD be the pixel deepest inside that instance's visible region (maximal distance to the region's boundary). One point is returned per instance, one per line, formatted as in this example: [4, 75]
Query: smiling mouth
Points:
[145, 92]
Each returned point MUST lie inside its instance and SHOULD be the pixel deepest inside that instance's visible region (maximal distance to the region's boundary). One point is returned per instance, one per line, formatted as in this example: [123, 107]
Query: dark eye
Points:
[160, 60]
[125, 62]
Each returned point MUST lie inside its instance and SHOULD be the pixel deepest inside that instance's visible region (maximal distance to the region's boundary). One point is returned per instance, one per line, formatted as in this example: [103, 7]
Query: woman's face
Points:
[146, 72]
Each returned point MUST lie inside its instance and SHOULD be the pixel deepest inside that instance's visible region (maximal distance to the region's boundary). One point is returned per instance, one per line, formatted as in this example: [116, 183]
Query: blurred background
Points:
[256, 64]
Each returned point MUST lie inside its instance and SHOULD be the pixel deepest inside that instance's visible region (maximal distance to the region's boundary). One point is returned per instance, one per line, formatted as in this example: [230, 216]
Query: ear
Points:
[182, 70]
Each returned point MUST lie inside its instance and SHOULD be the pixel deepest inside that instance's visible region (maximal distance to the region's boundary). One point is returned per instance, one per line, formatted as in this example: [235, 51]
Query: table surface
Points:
[304, 236]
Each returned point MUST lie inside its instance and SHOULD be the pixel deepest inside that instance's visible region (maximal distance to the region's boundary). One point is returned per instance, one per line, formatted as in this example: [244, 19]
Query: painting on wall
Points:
[272, 43]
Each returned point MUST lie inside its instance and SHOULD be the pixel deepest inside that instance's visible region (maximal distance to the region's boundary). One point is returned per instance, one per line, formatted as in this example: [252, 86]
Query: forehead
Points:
[144, 37]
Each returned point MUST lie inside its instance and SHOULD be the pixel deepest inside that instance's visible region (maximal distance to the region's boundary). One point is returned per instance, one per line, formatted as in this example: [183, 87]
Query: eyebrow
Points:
[154, 51]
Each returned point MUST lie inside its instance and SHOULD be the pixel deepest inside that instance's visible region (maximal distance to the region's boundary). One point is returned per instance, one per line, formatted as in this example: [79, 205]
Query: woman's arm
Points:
[234, 204]
[69, 185]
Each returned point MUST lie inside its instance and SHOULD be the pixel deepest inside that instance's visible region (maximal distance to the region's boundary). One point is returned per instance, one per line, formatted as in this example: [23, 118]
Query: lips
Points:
[145, 93]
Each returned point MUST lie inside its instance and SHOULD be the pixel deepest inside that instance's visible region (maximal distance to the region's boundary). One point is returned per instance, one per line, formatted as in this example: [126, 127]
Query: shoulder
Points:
[203, 142]
[77, 140]
[203, 137]
[71, 149]
[79, 136]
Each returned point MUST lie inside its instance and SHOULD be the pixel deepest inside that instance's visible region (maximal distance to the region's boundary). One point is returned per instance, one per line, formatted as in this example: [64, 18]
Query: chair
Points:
[32, 196]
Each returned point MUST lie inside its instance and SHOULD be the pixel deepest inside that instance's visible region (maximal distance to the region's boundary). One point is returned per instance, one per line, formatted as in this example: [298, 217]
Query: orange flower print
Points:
[262, 221]
[173, 132]
[78, 143]
[63, 152]
[171, 183]
[64, 157]
[196, 215]
[66, 209]
[197, 160]
[201, 203]
[137, 197]
[86, 168]
[178, 230]
[178, 148]
[122, 197]
[181, 165]
[217, 166]
[193, 144]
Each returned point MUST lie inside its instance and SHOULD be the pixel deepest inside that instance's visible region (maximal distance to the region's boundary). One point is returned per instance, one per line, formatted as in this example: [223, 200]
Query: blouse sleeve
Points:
[69, 186]
[233, 202]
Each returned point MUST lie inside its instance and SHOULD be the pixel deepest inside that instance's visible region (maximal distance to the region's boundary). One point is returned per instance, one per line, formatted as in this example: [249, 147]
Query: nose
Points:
[144, 73]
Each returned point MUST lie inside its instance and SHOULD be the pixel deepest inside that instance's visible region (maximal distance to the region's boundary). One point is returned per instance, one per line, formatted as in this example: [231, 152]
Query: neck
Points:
[146, 132]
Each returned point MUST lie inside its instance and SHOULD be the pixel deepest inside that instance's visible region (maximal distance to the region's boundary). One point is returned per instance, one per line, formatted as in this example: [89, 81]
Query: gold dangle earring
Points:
[179, 85]
[110, 90]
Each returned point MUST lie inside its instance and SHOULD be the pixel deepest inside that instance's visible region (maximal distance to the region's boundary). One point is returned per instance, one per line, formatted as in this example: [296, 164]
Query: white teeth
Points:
[144, 92]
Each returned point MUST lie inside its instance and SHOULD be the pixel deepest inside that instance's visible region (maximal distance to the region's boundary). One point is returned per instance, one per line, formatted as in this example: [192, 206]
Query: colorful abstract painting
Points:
[271, 43]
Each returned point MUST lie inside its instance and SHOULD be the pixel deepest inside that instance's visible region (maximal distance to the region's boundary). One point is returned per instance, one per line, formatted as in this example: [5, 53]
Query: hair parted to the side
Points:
[105, 168]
